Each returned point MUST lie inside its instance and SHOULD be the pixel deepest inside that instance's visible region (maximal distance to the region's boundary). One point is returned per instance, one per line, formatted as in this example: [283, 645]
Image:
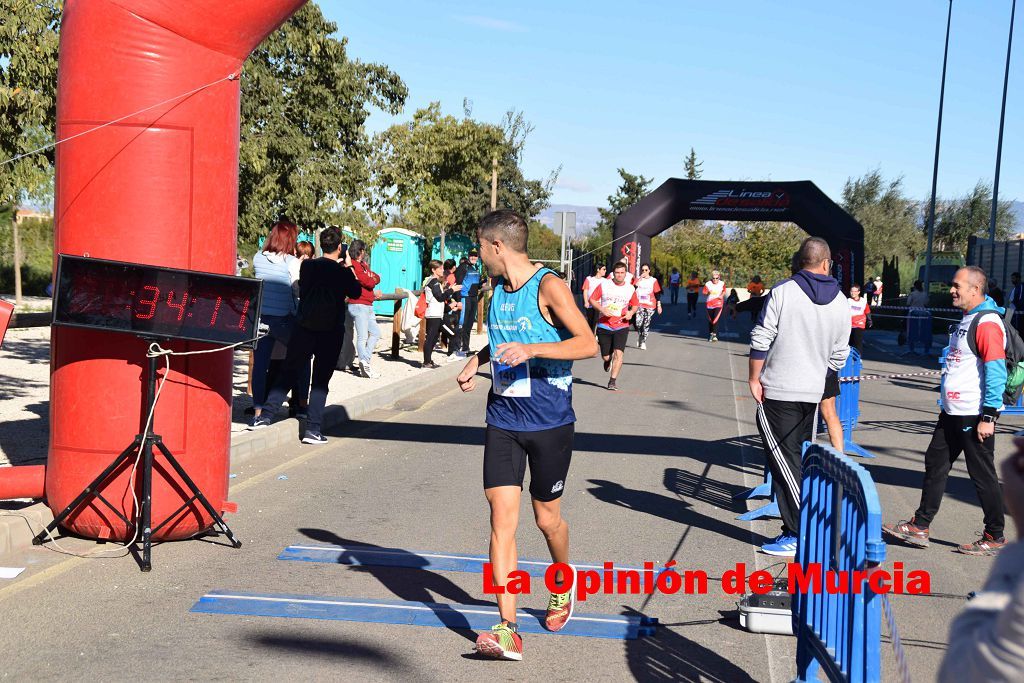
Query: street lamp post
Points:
[999, 147]
[935, 171]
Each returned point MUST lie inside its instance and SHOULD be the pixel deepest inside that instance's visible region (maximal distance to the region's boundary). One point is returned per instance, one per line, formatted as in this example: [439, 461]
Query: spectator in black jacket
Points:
[323, 285]
[438, 294]
[469, 298]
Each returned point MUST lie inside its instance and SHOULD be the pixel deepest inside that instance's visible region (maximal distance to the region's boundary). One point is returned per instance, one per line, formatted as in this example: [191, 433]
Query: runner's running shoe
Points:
[986, 545]
[607, 364]
[503, 642]
[783, 545]
[560, 609]
[908, 532]
[612, 386]
[643, 346]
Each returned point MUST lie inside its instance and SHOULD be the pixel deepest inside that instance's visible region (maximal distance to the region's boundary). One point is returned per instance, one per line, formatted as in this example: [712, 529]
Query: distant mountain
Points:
[587, 217]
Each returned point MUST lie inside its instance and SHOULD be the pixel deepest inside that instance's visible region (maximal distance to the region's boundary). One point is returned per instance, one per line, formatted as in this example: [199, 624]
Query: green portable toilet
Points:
[397, 257]
[455, 247]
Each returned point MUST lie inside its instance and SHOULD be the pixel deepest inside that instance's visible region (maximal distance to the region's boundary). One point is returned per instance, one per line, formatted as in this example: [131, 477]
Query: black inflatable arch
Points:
[799, 202]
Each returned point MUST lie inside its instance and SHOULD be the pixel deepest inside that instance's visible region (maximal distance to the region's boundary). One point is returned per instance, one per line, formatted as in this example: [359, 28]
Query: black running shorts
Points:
[612, 341]
[548, 452]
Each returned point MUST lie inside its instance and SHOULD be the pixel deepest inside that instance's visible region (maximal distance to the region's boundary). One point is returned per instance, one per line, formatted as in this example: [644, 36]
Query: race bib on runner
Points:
[509, 381]
[645, 298]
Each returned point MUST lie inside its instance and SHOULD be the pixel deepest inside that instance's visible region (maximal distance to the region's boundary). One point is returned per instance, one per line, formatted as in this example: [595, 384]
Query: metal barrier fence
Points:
[848, 408]
[848, 403]
[840, 530]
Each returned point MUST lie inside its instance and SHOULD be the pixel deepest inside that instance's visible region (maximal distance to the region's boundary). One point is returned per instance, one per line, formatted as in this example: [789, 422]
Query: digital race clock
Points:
[157, 302]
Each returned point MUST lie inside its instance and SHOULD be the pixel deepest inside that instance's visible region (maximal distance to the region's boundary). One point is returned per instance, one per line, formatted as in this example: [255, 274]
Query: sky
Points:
[784, 90]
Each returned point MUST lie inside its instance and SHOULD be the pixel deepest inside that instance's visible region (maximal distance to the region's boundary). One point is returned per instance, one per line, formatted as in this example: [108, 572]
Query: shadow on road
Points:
[666, 507]
[669, 656]
[335, 648]
[411, 584]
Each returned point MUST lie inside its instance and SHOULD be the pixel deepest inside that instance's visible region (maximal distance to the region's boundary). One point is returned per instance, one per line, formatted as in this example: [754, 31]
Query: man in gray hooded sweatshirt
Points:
[803, 330]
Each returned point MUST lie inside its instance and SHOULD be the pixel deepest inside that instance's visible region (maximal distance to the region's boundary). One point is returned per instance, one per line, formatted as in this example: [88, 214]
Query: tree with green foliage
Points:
[543, 243]
[28, 97]
[889, 218]
[970, 215]
[694, 169]
[434, 172]
[304, 147]
[632, 189]
[28, 108]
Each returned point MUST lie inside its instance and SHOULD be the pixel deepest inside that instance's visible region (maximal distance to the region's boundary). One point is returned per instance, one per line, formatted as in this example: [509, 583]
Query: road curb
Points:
[17, 527]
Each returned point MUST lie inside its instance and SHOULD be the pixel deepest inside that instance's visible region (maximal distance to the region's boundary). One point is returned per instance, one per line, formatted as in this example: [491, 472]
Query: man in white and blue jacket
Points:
[972, 396]
[803, 332]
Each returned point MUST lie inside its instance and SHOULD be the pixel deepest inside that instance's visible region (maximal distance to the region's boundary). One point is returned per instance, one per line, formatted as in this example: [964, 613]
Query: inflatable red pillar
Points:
[159, 187]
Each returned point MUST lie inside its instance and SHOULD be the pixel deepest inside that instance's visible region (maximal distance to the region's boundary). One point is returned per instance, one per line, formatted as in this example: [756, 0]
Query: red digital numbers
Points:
[155, 291]
[146, 308]
[216, 310]
[173, 304]
[245, 309]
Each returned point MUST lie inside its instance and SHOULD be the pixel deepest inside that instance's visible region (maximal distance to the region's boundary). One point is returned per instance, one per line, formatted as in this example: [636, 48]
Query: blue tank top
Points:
[516, 317]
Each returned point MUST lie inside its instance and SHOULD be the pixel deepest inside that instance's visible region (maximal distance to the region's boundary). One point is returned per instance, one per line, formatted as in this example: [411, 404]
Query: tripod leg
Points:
[89, 492]
[146, 513]
[218, 520]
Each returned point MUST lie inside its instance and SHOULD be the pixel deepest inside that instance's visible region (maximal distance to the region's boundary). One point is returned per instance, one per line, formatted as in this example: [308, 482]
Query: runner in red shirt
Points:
[616, 302]
[860, 318]
[714, 290]
[648, 294]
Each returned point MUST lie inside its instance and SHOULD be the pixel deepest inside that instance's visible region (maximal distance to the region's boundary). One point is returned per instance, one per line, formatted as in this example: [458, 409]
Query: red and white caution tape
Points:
[862, 378]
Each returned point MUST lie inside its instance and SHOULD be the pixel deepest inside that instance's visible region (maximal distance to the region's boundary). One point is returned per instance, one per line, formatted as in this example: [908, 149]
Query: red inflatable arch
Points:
[161, 188]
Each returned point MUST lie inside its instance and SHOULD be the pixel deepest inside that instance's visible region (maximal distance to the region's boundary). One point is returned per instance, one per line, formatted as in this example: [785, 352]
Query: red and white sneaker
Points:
[502, 642]
[560, 607]
[986, 545]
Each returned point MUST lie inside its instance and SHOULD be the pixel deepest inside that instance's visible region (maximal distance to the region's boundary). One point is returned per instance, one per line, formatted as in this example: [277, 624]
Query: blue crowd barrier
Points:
[762, 490]
[840, 530]
[848, 404]
[919, 329]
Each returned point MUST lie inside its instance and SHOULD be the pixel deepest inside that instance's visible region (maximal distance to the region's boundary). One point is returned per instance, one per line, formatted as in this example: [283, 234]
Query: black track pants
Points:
[784, 426]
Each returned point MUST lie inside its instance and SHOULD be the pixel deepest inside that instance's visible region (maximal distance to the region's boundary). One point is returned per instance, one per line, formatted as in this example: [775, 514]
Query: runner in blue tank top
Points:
[535, 332]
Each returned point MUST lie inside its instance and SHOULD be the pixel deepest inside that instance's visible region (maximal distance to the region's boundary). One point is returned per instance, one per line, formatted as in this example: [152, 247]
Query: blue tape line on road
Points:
[471, 617]
[376, 556]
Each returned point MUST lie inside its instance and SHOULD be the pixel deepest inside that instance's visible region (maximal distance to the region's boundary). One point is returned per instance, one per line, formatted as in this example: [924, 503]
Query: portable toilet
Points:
[397, 257]
[455, 247]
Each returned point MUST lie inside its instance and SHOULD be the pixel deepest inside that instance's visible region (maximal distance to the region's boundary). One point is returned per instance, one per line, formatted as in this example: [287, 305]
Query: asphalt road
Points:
[653, 475]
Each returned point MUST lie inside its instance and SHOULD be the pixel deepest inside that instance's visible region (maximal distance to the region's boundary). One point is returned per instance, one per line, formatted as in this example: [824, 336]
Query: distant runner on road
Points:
[714, 290]
[535, 331]
[589, 285]
[648, 294]
[692, 294]
[616, 302]
[674, 280]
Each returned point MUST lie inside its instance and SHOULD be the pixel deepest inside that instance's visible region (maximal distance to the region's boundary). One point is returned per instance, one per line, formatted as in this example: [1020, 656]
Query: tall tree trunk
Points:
[17, 264]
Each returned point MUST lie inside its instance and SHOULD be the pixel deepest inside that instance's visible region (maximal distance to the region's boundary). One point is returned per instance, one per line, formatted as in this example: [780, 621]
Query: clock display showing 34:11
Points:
[146, 305]
[155, 301]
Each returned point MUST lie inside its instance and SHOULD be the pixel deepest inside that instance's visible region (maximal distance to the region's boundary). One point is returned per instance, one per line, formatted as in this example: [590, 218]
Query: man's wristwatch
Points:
[988, 418]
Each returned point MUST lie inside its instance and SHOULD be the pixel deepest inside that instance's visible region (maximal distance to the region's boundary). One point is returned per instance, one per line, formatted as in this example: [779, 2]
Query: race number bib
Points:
[613, 309]
[645, 298]
[513, 382]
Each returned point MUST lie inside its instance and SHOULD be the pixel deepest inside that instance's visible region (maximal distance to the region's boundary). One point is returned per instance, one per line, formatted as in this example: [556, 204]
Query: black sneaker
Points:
[431, 365]
[313, 438]
[612, 386]
[607, 364]
[260, 422]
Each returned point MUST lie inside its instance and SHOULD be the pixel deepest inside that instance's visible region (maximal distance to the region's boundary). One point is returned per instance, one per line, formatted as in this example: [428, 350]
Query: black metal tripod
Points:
[147, 440]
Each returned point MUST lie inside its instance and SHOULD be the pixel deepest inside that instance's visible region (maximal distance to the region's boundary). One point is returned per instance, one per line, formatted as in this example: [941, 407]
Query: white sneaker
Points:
[643, 346]
[370, 373]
